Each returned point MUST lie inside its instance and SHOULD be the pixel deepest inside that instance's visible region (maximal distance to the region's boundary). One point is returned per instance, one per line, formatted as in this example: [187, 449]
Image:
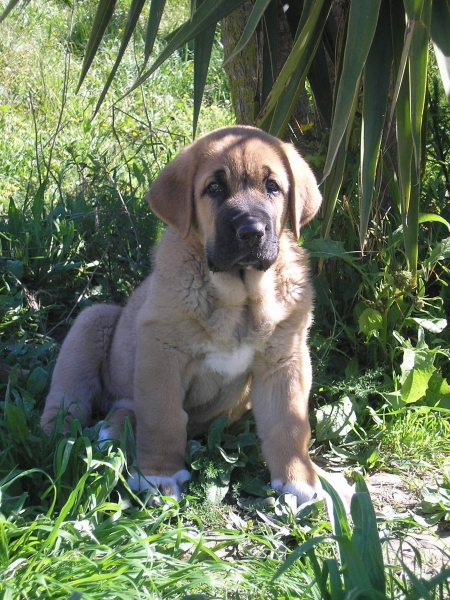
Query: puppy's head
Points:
[236, 188]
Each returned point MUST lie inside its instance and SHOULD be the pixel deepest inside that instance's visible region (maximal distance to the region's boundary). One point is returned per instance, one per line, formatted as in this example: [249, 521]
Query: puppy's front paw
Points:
[159, 484]
[304, 491]
[339, 483]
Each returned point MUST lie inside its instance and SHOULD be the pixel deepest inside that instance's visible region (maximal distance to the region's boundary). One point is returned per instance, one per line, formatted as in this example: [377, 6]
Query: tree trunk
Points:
[242, 71]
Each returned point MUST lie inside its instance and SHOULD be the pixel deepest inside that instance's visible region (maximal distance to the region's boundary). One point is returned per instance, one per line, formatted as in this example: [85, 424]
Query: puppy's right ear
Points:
[171, 196]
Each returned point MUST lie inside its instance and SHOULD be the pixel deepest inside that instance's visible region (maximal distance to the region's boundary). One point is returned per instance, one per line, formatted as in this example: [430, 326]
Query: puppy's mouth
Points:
[259, 259]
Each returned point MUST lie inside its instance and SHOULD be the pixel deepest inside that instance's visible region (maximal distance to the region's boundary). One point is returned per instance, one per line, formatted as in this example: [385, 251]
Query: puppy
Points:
[222, 320]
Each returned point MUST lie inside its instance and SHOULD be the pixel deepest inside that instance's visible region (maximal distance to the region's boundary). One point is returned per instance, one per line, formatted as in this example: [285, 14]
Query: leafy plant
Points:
[435, 503]
[359, 569]
[213, 463]
[381, 37]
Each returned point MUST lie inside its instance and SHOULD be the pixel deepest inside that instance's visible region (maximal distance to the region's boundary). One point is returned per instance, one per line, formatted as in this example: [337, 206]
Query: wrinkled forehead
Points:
[241, 162]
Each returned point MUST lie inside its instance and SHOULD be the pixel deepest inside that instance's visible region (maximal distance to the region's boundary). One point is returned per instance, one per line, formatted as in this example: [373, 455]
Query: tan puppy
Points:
[223, 318]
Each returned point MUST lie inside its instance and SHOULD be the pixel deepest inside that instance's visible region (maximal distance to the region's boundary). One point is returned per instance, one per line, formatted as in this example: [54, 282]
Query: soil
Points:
[425, 550]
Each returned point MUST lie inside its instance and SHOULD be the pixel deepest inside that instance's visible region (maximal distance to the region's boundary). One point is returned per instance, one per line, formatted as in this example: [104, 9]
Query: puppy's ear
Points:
[171, 196]
[304, 196]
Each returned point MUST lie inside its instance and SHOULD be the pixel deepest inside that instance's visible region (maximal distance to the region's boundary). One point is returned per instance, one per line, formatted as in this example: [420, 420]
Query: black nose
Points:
[251, 232]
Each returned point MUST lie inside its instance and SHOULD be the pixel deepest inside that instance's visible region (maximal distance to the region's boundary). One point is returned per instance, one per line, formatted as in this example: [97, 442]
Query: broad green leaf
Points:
[37, 382]
[362, 23]
[418, 65]
[15, 267]
[440, 252]
[335, 419]
[431, 324]
[215, 432]
[417, 368]
[132, 19]
[370, 322]
[440, 26]
[375, 98]
[326, 248]
[16, 422]
[102, 17]
[203, 44]
[431, 217]
[154, 19]
[255, 17]
[365, 535]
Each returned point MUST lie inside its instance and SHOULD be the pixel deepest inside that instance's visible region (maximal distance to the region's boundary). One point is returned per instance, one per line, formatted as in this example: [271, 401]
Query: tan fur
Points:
[192, 344]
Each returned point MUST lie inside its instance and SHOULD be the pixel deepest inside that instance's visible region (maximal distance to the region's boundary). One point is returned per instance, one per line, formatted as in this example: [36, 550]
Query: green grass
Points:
[75, 229]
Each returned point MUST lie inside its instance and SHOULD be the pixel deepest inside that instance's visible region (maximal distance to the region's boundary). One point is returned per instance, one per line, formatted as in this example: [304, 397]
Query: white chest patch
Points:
[230, 364]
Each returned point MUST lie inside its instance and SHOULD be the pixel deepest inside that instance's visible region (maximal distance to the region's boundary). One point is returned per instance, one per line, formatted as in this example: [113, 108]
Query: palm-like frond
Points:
[386, 43]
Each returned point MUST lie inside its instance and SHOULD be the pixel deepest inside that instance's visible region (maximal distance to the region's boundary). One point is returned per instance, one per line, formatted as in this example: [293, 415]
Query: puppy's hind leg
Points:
[113, 427]
[77, 379]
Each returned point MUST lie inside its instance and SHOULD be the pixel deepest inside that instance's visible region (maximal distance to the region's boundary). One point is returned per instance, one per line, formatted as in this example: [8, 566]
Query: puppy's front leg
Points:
[280, 391]
[160, 418]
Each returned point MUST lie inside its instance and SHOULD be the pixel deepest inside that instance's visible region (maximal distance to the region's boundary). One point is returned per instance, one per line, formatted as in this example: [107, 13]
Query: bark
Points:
[242, 71]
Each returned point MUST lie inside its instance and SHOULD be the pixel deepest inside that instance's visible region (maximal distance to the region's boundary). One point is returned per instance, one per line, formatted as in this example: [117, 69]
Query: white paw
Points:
[159, 484]
[303, 491]
[306, 492]
[339, 483]
[105, 434]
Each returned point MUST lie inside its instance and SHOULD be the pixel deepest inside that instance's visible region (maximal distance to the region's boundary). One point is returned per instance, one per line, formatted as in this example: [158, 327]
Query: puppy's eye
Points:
[272, 186]
[213, 188]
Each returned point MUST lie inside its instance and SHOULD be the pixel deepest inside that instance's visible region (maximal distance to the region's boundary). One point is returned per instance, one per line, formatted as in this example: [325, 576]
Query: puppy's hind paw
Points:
[159, 485]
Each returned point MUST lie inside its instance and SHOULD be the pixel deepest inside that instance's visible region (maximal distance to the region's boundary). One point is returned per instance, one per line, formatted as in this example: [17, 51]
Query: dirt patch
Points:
[421, 550]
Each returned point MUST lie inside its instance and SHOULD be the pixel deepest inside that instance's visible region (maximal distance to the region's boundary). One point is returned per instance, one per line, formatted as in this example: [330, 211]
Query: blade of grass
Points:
[365, 535]
[418, 69]
[285, 106]
[334, 180]
[270, 49]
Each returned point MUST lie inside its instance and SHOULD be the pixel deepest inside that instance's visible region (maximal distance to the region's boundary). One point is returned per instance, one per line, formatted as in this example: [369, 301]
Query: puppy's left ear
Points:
[171, 196]
[304, 196]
